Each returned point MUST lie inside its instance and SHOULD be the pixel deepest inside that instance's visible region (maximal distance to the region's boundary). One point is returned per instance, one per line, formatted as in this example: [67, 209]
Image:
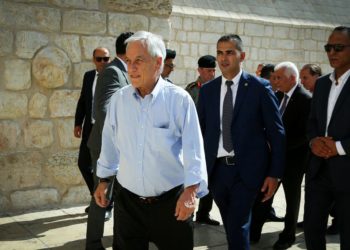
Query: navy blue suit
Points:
[259, 146]
[328, 180]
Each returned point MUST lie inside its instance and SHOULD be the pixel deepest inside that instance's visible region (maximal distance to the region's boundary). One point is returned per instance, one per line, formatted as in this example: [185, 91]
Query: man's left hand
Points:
[269, 187]
[186, 203]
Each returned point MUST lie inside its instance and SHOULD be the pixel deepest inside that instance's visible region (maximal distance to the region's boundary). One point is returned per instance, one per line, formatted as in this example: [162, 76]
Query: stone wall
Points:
[46, 46]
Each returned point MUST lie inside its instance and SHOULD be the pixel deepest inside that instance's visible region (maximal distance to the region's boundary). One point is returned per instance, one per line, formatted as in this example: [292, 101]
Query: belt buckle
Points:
[229, 160]
[147, 200]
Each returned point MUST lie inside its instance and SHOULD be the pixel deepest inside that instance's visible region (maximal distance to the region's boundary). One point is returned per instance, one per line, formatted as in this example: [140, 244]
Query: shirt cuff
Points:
[340, 148]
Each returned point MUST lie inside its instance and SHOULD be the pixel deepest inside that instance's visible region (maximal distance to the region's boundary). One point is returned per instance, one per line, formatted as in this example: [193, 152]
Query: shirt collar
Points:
[124, 64]
[160, 84]
[291, 91]
[342, 79]
[235, 79]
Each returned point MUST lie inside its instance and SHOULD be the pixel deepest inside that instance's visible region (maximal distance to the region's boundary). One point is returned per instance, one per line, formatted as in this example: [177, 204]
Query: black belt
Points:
[227, 160]
[155, 199]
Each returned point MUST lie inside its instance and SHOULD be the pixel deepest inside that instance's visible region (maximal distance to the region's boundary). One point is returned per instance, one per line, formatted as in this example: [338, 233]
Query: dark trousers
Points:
[291, 181]
[96, 217]
[205, 206]
[138, 222]
[234, 200]
[85, 165]
[320, 194]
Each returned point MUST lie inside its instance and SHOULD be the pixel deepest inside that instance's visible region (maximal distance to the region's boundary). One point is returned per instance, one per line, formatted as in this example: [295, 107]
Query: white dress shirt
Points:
[93, 95]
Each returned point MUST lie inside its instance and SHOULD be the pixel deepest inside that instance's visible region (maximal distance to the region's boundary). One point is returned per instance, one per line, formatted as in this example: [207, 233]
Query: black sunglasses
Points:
[99, 59]
[335, 47]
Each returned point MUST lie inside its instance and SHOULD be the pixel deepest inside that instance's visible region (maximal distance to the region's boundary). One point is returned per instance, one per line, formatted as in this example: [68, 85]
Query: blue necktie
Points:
[227, 115]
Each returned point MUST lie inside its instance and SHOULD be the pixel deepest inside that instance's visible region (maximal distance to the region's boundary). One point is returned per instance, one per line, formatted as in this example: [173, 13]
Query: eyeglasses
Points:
[170, 65]
[335, 47]
[99, 59]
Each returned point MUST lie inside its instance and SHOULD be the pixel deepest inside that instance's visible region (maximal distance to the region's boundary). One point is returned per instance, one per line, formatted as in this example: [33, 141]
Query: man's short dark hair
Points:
[345, 29]
[232, 38]
[267, 70]
[120, 46]
[170, 54]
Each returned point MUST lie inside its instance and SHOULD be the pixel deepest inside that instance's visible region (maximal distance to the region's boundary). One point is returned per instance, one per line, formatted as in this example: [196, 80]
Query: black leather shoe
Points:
[333, 229]
[208, 221]
[283, 244]
[87, 209]
[108, 215]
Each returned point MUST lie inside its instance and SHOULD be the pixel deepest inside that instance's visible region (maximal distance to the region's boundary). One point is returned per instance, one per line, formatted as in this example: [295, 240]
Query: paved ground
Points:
[64, 228]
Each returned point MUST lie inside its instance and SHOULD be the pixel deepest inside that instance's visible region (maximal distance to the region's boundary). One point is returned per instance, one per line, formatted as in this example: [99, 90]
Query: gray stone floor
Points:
[64, 228]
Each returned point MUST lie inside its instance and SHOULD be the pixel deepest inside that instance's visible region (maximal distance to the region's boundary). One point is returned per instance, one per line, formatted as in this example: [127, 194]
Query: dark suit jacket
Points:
[112, 78]
[295, 120]
[256, 125]
[339, 129]
[84, 106]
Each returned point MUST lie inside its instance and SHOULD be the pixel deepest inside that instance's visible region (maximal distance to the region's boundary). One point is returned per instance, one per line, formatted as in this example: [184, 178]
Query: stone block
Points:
[160, 26]
[198, 24]
[176, 22]
[29, 42]
[34, 198]
[154, 6]
[29, 16]
[181, 36]
[63, 103]
[319, 35]
[280, 32]
[38, 105]
[295, 55]
[209, 37]
[63, 168]
[230, 28]
[13, 80]
[4, 204]
[51, 67]
[38, 134]
[76, 195]
[190, 62]
[256, 42]
[282, 44]
[120, 22]
[203, 49]
[213, 26]
[309, 45]
[6, 42]
[179, 75]
[82, 4]
[194, 50]
[70, 45]
[293, 33]
[79, 71]
[265, 43]
[193, 36]
[65, 133]
[9, 133]
[84, 22]
[275, 55]
[20, 170]
[262, 55]
[185, 49]
[89, 43]
[12, 105]
[254, 54]
[254, 29]
[187, 24]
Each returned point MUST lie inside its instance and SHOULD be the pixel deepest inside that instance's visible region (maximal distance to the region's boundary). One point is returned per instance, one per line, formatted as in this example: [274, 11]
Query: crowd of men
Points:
[153, 147]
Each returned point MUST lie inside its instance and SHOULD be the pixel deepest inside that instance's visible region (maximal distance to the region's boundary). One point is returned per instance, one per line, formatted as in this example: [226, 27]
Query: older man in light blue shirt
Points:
[152, 142]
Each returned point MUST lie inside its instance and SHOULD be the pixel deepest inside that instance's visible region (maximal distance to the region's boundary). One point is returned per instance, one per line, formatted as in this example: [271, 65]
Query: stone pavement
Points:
[64, 229]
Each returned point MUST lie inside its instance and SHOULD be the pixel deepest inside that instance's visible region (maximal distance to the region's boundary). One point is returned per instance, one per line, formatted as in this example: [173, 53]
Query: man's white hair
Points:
[290, 69]
[152, 42]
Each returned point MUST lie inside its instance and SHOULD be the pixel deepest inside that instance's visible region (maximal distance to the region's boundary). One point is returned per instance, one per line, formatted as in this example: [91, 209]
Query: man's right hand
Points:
[320, 148]
[77, 131]
[100, 194]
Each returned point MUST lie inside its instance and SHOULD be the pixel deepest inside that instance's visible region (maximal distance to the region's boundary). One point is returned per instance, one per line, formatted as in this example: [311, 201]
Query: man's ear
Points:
[242, 56]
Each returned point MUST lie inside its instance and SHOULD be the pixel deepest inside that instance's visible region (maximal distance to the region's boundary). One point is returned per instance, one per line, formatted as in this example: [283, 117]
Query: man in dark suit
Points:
[112, 78]
[83, 120]
[243, 139]
[327, 178]
[294, 108]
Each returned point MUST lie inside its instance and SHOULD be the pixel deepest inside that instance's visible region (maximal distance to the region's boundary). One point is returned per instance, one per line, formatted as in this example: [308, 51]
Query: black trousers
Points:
[320, 195]
[205, 206]
[85, 165]
[138, 222]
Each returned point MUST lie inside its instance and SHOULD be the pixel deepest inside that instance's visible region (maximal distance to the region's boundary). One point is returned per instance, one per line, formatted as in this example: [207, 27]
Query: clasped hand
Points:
[324, 147]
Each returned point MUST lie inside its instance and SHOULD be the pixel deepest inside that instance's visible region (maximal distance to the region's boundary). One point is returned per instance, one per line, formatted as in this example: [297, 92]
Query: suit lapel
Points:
[324, 104]
[241, 93]
[345, 92]
[216, 101]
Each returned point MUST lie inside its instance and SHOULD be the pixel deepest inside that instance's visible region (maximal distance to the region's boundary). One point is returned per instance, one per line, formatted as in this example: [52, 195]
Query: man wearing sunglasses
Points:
[169, 65]
[327, 178]
[112, 78]
[83, 115]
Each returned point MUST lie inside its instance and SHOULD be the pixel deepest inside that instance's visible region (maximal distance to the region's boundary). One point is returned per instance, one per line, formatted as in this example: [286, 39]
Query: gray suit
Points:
[111, 79]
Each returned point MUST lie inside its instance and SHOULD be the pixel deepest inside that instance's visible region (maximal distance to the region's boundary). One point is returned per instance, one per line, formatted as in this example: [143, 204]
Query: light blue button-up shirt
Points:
[153, 144]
